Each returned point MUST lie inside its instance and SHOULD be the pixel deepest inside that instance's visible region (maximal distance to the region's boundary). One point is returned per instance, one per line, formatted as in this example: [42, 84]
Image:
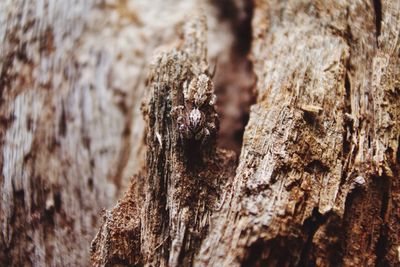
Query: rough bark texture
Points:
[72, 80]
[317, 180]
[184, 180]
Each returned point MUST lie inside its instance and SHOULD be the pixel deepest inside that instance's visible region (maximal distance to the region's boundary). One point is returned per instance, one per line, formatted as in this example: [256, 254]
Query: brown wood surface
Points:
[86, 92]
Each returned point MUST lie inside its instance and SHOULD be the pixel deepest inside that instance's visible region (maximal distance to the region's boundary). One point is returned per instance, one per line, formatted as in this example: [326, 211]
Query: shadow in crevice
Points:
[234, 84]
[378, 17]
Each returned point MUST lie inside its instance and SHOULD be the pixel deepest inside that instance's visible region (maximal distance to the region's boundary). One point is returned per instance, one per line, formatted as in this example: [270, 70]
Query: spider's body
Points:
[197, 119]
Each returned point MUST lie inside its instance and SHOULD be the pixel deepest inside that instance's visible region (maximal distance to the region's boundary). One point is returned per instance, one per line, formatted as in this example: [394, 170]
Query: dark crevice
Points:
[243, 30]
[311, 225]
[240, 18]
[398, 151]
[293, 250]
[382, 247]
[382, 244]
[368, 210]
[57, 201]
[235, 80]
[347, 96]
[348, 123]
[280, 251]
[378, 17]
[385, 195]
[63, 122]
[255, 253]
[369, 141]
[316, 166]
[352, 199]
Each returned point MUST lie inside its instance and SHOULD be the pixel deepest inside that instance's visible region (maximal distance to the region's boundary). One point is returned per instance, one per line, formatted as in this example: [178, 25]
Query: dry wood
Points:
[317, 180]
[183, 182]
[317, 177]
[72, 80]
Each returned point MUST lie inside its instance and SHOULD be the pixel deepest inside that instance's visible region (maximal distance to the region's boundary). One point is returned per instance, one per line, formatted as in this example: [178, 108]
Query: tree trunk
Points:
[317, 179]
[72, 80]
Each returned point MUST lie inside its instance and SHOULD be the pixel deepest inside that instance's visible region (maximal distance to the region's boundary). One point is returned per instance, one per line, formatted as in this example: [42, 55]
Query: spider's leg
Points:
[177, 111]
[211, 126]
[205, 134]
[213, 100]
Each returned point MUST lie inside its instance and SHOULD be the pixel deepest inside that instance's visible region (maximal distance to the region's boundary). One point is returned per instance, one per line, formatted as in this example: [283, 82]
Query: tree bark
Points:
[317, 179]
[72, 80]
[67, 127]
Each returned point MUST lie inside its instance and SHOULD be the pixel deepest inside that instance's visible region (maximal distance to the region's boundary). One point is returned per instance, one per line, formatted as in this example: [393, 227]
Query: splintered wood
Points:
[317, 178]
[317, 181]
[184, 176]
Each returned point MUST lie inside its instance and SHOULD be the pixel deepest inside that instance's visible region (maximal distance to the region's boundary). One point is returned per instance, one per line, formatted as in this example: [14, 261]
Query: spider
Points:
[197, 119]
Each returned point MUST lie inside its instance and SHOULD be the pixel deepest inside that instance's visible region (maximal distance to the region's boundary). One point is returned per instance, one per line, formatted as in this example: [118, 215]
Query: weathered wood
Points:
[72, 80]
[317, 180]
[184, 178]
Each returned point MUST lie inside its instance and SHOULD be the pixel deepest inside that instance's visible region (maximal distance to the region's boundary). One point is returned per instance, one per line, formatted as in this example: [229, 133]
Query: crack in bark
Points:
[235, 83]
[382, 244]
[311, 226]
[306, 241]
[378, 18]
